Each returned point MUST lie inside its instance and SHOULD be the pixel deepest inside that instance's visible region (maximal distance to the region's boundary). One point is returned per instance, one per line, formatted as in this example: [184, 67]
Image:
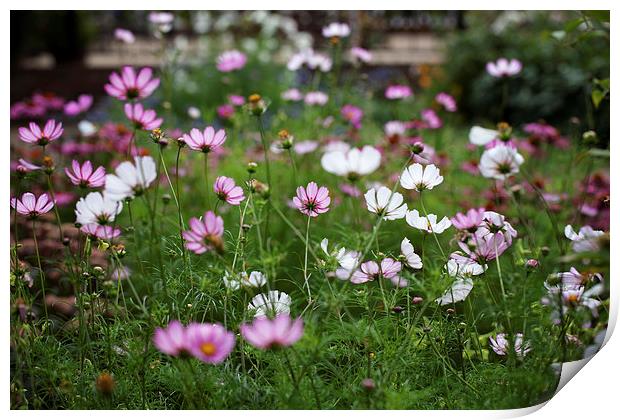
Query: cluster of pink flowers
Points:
[37, 106]
[212, 343]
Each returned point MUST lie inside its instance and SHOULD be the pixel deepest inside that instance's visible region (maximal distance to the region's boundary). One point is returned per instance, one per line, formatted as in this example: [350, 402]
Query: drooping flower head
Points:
[312, 200]
[210, 343]
[428, 223]
[205, 234]
[130, 179]
[265, 333]
[142, 119]
[504, 67]
[419, 178]
[31, 205]
[226, 190]
[128, 86]
[34, 135]
[97, 208]
[385, 203]
[270, 304]
[352, 163]
[205, 141]
[230, 61]
[84, 176]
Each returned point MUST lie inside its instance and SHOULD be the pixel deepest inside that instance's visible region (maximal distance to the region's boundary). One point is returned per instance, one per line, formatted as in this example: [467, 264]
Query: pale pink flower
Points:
[34, 135]
[501, 345]
[226, 190]
[230, 61]
[312, 200]
[337, 30]
[128, 86]
[205, 141]
[124, 35]
[468, 221]
[265, 333]
[204, 234]
[210, 343]
[504, 67]
[143, 119]
[446, 100]
[361, 54]
[371, 270]
[171, 340]
[398, 92]
[32, 206]
[23, 166]
[316, 98]
[84, 176]
[305, 146]
[292, 95]
[236, 100]
[103, 232]
[82, 104]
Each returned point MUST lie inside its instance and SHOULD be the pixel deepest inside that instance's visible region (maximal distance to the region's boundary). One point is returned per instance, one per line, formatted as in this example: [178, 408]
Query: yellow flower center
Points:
[208, 349]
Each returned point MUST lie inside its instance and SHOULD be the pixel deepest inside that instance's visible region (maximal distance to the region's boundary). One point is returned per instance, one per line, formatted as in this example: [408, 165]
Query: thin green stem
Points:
[41, 277]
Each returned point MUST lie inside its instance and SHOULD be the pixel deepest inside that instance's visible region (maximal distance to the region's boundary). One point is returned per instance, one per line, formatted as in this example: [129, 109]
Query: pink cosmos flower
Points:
[236, 100]
[143, 119]
[128, 86]
[205, 141]
[230, 61]
[468, 221]
[103, 232]
[501, 345]
[124, 35]
[370, 270]
[483, 248]
[350, 190]
[292, 95]
[210, 343]
[226, 190]
[316, 98]
[48, 100]
[34, 135]
[447, 101]
[204, 234]
[24, 167]
[398, 92]
[431, 119]
[312, 200]
[27, 109]
[171, 340]
[84, 176]
[82, 104]
[305, 146]
[265, 333]
[361, 54]
[504, 68]
[353, 115]
[226, 111]
[32, 206]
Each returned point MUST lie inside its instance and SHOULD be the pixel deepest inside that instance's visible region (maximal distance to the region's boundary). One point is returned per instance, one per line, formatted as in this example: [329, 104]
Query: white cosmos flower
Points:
[385, 203]
[255, 279]
[336, 29]
[412, 259]
[271, 303]
[584, 241]
[500, 162]
[353, 162]
[96, 208]
[420, 178]
[130, 179]
[481, 136]
[428, 224]
[461, 268]
[346, 259]
[458, 291]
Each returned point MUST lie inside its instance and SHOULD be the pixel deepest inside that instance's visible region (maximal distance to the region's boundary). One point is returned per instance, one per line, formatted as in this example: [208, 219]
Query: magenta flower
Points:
[143, 119]
[468, 221]
[265, 333]
[103, 232]
[210, 343]
[431, 118]
[398, 92]
[447, 101]
[353, 115]
[32, 206]
[225, 111]
[171, 340]
[312, 200]
[236, 100]
[226, 190]
[128, 86]
[504, 67]
[205, 234]
[82, 104]
[34, 135]
[84, 176]
[230, 61]
[205, 141]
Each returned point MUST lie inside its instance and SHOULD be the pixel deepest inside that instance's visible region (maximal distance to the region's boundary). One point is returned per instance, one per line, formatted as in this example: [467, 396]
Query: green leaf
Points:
[597, 97]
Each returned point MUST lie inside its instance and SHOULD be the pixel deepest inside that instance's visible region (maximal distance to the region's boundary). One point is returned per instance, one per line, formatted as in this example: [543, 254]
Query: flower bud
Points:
[397, 309]
[417, 300]
[251, 168]
[48, 165]
[417, 148]
[590, 137]
[532, 264]
[545, 251]
[165, 198]
[368, 384]
[505, 131]
[105, 384]
[256, 105]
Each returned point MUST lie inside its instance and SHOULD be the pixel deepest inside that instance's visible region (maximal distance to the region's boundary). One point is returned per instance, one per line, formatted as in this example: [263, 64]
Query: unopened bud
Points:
[590, 137]
[532, 264]
[368, 384]
[252, 167]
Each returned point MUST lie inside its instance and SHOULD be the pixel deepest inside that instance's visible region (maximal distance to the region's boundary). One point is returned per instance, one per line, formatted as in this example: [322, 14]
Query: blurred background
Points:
[67, 53]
